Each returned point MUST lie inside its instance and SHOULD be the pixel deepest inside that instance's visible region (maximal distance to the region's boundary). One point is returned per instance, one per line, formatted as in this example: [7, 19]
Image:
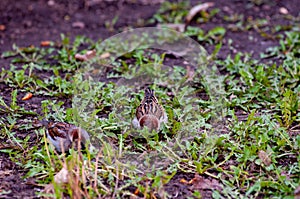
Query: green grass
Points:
[266, 96]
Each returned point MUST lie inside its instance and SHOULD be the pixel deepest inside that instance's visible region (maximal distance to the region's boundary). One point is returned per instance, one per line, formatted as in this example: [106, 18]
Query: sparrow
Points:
[64, 136]
[149, 113]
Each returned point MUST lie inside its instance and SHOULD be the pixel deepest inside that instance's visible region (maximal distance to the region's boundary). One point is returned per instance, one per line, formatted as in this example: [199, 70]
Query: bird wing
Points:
[149, 106]
[58, 129]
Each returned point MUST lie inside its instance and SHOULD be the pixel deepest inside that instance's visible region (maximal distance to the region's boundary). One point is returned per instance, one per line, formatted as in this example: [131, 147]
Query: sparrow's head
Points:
[150, 121]
[150, 96]
[78, 136]
[149, 92]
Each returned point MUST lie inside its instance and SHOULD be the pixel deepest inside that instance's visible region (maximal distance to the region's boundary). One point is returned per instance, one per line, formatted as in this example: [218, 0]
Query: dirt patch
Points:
[12, 183]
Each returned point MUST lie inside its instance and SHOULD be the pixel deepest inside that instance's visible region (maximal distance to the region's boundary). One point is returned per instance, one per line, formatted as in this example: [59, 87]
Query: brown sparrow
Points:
[63, 135]
[149, 113]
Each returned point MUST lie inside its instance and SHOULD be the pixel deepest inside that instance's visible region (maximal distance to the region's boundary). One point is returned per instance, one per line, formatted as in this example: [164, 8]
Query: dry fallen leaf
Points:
[283, 10]
[78, 24]
[80, 57]
[27, 96]
[264, 157]
[62, 176]
[51, 3]
[2, 27]
[183, 181]
[196, 9]
[105, 55]
[91, 54]
[200, 183]
[45, 43]
[88, 55]
[136, 192]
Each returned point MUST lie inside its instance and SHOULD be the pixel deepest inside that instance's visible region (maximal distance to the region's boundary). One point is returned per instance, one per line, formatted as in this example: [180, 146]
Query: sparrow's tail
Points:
[149, 121]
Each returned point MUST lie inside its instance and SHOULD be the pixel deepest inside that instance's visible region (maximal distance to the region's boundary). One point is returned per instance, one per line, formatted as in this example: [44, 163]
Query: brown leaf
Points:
[183, 181]
[2, 27]
[196, 9]
[51, 3]
[137, 191]
[27, 96]
[88, 55]
[45, 43]
[283, 10]
[78, 24]
[62, 176]
[200, 183]
[105, 55]
[80, 57]
[264, 157]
